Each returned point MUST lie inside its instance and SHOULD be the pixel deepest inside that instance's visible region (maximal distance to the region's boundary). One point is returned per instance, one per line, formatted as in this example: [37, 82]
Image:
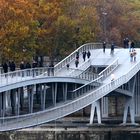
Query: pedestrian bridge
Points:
[35, 96]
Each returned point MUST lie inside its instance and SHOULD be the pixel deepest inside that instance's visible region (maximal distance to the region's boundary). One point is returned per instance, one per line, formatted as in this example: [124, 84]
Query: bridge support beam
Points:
[104, 106]
[8, 101]
[65, 89]
[54, 93]
[21, 91]
[2, 104]
[37, 95]
[129, 105]
[13, 100]
[30, 98]
[95, 107]
[43, 97]
[18, 100]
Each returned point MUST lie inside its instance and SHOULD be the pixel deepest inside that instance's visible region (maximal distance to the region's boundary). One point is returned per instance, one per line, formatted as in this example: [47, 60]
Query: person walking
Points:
[134, 55]
[104, 46]
[77, 55]
[68, 65]
[132, 45]
[76, 63]
[131, 56]
[84, 55]
[12, 66]
[88, 54]
[112, 48]
[28, 66]
[5, 67]
[127, 41]
[22, 67]
[124, 43]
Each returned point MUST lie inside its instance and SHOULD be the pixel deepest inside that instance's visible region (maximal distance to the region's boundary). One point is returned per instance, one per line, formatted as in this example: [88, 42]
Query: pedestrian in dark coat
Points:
[88, 54]
[12, 66]
[132, 45]
[127, 42]
[76, 63]
[104, 46]
[68, 65]
[112, 48]
[84, 55]
[34, 64]
[22, 66]
[124, 43]
[5, 67]
[28, 65]
[77, 55]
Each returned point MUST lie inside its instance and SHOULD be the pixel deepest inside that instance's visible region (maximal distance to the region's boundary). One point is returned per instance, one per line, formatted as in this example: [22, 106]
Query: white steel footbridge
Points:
[35, 96]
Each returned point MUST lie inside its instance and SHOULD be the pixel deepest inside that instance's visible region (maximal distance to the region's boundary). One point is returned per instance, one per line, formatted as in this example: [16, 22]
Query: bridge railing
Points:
[109, 69]
[20, 75]
[72, 56]
[87, 87]
[88, 76]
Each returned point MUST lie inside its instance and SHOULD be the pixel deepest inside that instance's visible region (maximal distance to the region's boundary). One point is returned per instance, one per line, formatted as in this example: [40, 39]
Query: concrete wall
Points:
[73, 134]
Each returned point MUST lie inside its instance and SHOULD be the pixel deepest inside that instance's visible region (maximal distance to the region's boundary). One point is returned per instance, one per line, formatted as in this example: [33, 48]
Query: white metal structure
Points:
[83, 88]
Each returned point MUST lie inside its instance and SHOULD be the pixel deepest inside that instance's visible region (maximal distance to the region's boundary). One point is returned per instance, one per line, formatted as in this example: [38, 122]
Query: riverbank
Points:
[75, 130]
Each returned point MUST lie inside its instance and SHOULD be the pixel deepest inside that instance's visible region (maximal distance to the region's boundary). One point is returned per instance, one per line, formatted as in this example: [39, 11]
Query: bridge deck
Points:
[100, 59]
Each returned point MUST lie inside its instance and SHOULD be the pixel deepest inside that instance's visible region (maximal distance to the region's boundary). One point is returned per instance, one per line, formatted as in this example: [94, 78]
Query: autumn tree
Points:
[119, 18]
[18, 29]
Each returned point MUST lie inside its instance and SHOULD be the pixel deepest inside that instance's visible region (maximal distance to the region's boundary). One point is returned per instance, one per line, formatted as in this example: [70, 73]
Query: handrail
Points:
[110, 68]
[72, 56]
[88, 76]
[98, 80]
[22, 74]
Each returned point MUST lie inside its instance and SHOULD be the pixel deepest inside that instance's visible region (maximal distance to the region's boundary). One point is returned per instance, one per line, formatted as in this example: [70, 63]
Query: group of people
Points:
[11, 66]
[128, 44]
[84, 55]
[112, 47]
[131, 46]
